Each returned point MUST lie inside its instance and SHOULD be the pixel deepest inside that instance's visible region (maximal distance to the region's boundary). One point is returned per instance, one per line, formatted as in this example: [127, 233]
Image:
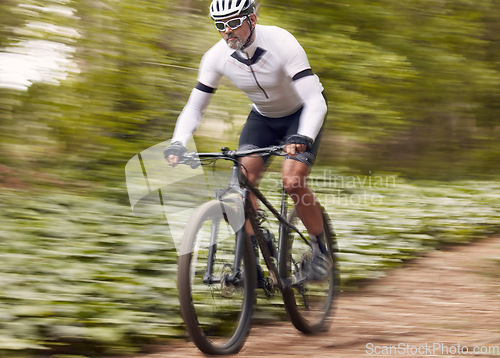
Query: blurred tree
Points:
[125, 95]
[407, 81]
[489, 114]
[412, 86]
[10, 19]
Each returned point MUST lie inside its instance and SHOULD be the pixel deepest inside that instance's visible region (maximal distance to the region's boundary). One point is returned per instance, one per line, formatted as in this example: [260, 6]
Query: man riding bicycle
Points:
[271, 67]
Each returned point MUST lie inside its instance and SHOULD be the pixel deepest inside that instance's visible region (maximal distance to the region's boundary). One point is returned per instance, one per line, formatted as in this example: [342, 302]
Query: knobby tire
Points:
[217, 316]
[311, 320]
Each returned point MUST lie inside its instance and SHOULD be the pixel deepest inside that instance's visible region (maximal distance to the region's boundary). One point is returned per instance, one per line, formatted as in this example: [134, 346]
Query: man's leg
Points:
[254, 168]
[308, 209]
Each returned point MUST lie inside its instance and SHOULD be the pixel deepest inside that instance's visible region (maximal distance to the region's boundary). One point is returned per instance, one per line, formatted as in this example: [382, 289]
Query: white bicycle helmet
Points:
[223, 9]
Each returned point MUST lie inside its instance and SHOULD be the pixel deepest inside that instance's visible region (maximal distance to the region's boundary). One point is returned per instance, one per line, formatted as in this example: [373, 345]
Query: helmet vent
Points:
[223, 9]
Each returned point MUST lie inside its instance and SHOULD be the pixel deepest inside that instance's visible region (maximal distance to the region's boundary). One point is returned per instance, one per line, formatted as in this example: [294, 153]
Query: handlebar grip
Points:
[190, 159]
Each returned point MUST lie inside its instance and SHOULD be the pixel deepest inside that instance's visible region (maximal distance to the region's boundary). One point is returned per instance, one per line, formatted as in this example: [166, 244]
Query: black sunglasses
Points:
[233, 24]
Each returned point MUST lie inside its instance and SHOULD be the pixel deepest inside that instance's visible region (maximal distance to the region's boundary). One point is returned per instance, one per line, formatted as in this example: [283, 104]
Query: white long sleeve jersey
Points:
[282, 81]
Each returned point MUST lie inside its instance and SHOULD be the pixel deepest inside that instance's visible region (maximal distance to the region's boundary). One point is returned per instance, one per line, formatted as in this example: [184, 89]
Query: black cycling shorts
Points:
[260, 131]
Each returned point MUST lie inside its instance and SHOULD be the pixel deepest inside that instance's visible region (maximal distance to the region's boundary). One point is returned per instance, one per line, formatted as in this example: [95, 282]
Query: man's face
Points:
[235, 38]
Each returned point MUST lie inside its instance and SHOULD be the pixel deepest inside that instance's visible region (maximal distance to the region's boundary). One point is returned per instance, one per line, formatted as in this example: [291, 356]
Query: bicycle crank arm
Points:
[211, 280]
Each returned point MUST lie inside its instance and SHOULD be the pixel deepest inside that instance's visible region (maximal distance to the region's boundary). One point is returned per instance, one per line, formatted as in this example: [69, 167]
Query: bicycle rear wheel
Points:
[216, 306]
[309, 304]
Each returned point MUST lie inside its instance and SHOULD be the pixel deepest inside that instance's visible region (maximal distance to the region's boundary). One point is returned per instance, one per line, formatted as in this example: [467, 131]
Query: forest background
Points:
[413, 87]
[414, 94]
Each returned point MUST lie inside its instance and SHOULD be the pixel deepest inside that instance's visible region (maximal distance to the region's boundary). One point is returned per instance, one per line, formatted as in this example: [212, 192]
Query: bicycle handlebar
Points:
[193, 159]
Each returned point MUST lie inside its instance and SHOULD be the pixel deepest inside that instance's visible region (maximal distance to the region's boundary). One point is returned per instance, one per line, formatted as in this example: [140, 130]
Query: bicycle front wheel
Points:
[309, 304]
[216, 290]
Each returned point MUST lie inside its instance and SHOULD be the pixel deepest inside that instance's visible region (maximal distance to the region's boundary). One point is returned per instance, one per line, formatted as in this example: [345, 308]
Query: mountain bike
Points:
[217, 272]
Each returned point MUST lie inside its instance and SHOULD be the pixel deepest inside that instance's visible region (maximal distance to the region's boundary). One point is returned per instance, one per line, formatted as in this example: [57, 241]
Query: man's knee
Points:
[294, 176]
[254, 168]
[293, 183]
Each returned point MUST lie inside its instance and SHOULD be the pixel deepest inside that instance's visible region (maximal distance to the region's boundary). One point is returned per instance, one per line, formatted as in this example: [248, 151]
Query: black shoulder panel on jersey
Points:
[302, 74]
[200, 86]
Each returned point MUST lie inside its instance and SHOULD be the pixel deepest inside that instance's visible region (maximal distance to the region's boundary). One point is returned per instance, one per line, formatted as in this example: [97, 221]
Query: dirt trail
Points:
[441, 305]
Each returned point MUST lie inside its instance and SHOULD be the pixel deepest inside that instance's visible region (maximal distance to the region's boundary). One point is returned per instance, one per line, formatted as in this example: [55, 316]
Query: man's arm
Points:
[313, 114]
[209, 76]
[188, 121]
[306, 84]
[191, 115]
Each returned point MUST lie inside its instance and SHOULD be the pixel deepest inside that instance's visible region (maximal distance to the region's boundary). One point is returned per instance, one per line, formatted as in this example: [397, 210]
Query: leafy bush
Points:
[82, 275]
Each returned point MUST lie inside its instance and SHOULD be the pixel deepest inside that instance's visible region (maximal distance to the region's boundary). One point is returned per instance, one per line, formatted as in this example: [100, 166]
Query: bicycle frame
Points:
[240, 185]
[229, 273]
[278, 274]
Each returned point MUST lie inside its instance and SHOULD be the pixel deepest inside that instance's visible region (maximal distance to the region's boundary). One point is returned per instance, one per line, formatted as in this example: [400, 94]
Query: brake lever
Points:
[191, 160]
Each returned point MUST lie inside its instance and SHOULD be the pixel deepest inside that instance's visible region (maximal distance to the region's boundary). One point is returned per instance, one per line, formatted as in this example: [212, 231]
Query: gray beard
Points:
[235, 43]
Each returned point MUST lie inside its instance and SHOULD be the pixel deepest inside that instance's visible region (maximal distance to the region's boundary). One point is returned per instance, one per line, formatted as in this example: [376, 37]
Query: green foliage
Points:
[10, 18]
[409, 83]
[412, 88]
[81, 275]
[78, 271]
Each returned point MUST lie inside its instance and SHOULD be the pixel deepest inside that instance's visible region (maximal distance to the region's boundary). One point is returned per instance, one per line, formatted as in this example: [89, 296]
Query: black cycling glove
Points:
[299, 139]
[176, 148]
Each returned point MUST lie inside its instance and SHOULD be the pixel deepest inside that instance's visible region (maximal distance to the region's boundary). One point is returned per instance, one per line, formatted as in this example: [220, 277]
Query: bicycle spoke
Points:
[216, 300]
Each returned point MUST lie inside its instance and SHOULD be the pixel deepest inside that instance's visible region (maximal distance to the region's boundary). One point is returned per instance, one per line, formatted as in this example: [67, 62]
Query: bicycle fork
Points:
[235, 277]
